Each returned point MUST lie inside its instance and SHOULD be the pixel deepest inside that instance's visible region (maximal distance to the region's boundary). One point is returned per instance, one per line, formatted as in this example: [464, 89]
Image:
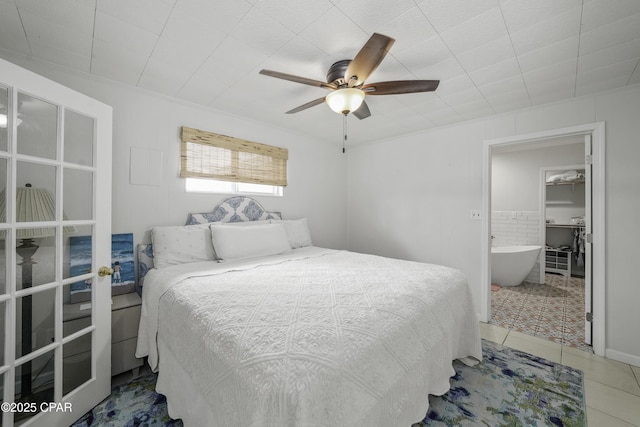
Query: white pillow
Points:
[244, 223]
[232, 243]
[298, 232]
[181, 244]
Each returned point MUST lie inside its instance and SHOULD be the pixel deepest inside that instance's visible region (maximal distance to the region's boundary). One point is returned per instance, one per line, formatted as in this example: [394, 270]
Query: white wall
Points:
[316, 172]
[515, 175]
[410, 197]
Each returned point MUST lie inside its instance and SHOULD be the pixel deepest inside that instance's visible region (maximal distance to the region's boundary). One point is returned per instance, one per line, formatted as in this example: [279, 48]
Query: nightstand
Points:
[125, 318]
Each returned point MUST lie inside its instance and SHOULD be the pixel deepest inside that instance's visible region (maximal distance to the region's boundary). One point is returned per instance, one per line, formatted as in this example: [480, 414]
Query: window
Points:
[250, 166]
[197, 185]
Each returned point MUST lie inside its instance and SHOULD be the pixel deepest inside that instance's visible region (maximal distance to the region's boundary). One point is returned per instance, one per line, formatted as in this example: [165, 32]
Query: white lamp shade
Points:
[344, 101]
[34, 205]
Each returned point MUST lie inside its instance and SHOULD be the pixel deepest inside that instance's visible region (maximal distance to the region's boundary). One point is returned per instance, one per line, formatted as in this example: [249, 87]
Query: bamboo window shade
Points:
[211, 155]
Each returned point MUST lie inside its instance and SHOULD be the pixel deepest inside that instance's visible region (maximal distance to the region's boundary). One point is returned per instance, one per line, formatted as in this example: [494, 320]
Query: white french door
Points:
[55, 220]
[587, 256]
[588, 261]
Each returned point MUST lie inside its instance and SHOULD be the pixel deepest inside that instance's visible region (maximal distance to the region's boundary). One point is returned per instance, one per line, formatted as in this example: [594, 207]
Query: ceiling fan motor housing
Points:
[337, 71]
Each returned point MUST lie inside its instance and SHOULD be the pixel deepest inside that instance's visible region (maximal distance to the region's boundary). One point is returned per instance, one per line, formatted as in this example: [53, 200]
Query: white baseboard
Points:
[623, 357]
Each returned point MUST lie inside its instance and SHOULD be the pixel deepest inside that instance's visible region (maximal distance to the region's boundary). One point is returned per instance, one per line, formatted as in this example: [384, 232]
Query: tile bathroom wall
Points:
[517, 228]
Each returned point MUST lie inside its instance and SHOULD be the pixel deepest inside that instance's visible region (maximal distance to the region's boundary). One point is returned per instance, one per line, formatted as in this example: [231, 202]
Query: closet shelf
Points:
[565, 225]
[578, 181]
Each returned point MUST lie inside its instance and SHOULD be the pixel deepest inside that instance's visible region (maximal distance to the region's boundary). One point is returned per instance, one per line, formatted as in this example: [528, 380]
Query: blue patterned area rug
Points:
[131, 405]
[509, 388]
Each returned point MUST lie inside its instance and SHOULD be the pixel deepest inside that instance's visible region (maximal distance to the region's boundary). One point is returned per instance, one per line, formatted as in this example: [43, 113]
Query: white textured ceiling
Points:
[491, 56]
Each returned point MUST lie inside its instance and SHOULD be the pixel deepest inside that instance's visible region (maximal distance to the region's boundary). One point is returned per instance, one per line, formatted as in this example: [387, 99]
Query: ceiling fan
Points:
[346, 80]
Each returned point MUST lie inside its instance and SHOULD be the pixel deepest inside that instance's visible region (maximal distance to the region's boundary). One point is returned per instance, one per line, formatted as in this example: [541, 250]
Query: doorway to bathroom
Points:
[555, 301]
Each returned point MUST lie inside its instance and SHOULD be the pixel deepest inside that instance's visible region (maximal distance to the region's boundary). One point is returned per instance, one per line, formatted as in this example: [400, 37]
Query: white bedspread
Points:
[313, 338]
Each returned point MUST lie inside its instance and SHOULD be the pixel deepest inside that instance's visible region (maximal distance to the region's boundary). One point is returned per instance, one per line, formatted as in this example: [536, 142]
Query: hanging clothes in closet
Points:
[578, 245]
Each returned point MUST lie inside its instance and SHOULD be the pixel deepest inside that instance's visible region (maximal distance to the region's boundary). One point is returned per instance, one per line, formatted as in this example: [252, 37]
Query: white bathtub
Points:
[511, 264]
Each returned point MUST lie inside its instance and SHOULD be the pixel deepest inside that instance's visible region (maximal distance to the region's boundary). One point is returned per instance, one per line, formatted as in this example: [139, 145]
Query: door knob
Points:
[105, 271]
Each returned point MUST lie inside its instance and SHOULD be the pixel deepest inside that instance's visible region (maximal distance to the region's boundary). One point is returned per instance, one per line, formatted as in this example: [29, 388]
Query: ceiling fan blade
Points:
[307, 105]
[368, 59]
[298, 79]
[400, 86]
[363, 111]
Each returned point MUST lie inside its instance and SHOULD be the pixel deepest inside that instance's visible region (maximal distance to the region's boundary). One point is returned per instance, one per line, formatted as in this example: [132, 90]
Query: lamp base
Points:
[26, 250]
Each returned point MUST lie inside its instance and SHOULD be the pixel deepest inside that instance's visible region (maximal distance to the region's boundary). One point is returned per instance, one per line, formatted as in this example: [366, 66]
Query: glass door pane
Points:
[78, 254]
[78, 138]
[34, 384]
[4, 118]
[78, 194]
[35, 192]
[35, 321]
[76, 363]
[2, 333]
[38, 129]
[36, 260]
[3, 190]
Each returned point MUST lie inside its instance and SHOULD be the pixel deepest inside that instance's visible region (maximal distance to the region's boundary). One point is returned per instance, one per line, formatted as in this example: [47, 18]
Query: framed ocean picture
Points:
[122, 262]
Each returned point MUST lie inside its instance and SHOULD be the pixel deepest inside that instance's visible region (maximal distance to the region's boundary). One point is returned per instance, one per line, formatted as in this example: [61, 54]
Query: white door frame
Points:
[597, 132]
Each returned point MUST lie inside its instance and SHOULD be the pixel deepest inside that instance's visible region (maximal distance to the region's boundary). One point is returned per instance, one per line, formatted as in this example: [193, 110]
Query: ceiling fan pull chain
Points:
[344, 131]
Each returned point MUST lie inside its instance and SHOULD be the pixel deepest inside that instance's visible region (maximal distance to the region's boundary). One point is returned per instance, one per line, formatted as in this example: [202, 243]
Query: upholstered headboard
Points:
[234, 209]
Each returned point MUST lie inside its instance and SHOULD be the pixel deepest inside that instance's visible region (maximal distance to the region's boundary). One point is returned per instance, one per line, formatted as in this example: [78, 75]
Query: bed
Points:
[296, 335]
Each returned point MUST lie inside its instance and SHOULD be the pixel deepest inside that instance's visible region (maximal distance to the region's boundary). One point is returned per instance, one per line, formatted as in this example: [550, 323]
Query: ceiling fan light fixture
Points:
[4, 121]
[345, 100]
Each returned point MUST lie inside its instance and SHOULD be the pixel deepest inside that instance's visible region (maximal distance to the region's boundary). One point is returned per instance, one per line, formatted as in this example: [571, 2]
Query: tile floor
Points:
[612, 388]
[553, 311]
